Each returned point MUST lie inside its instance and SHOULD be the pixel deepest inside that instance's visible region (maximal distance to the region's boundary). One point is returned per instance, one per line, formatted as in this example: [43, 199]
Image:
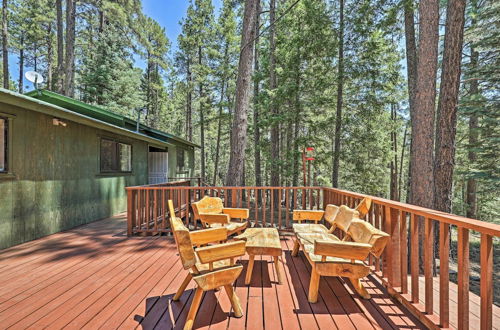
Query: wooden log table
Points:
[262, 241]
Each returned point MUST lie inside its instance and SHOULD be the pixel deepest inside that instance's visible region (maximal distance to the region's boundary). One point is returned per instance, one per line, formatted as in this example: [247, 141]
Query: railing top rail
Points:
[219, 187]
[452, 219]
[160, 185]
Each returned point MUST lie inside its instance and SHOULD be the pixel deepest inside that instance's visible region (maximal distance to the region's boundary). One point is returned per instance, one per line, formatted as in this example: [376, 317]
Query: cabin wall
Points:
[56, 182]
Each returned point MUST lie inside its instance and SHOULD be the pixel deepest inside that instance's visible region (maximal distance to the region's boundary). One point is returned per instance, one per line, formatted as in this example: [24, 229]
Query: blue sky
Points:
[168, 13]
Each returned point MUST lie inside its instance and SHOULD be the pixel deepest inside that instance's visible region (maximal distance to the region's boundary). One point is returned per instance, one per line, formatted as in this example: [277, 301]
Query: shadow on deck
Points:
[94, 276]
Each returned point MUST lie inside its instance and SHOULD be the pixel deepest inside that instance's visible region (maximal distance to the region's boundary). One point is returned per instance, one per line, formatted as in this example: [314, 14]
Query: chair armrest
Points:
[204, 236]
[303, 215]
[346, 250]
[218, 252]
[214, 218]
[236, 213]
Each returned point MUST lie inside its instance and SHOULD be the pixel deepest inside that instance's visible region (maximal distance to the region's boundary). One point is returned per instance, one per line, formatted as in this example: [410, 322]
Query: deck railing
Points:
[398, 268]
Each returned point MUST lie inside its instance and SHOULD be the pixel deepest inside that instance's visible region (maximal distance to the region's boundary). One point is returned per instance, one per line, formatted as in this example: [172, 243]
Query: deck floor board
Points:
[93, 277]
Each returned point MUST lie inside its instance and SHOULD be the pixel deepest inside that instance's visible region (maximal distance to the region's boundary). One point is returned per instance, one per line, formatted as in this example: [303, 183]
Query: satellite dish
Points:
[34, 77]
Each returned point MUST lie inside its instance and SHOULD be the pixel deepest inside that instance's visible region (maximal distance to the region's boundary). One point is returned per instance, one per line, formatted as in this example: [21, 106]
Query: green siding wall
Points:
[57, 184]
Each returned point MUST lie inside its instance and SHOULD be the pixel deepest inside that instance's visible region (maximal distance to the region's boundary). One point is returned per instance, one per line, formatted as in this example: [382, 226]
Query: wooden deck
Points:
[95, 277]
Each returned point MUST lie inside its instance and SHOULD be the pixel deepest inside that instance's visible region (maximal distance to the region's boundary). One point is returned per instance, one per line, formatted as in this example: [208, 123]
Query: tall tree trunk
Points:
[256, 91]
[243, 93]
[340, 87]
[69, 83]
[5, 45]
[421, 157]
[202, 119]
[189, 101]
[401, 161]
[447, 107]
[394, 162]
[411, 67]
[49, 57]
[219, 129]
[424, 110]
[60, 48]
[21, 64]
[275, 143]
[471, 200]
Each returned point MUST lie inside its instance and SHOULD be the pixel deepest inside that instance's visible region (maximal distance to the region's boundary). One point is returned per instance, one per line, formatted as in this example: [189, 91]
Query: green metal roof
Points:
[105, 116]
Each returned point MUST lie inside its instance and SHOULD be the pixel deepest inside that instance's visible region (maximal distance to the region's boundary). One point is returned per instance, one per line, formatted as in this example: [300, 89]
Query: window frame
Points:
[116, 165]
[7, 172]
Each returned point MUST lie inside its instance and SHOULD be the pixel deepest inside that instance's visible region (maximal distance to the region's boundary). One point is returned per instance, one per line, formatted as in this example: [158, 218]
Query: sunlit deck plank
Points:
[93, 276]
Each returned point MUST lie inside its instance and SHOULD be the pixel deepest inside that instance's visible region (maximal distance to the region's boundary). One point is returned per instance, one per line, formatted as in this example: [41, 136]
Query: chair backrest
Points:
[344, 217]
[211, 205]
[364, 207]
[363, 232]
[182, 239]
[331, 212]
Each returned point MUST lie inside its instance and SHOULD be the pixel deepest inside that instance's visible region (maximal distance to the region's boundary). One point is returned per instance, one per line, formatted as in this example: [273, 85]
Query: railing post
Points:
[444, 275]
[393, 248]
[463, 278]
[486, 281]
[130, 212]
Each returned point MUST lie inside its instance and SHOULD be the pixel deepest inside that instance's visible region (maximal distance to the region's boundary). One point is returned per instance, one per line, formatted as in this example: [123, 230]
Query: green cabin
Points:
[64, 163]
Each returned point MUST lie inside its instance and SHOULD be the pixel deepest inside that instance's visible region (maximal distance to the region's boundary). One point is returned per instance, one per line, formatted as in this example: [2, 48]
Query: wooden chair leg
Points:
[248, 276]
[278, 271]
[194, 308]
[360, 289]
[182, 288]
[296, 247]
[235, 302]
[314, 286]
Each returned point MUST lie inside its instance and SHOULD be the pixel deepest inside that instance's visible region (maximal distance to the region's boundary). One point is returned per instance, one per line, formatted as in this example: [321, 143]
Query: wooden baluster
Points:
[377, 225]
[287, 207]
[148, 214]
[303, 199]
[486, 281]
[188, 206]
[271, 213]
[414, 263]
[392, 250]
[280, 191]
[233, 197]
[264, 200]
[444, 275]
[404, 252]
[463, 278]
[155, 210]
[257, 191]
[130, 212]
[428, 265]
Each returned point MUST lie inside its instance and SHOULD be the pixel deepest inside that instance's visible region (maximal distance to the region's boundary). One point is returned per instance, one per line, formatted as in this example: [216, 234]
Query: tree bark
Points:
[394, 162]
[243, 93]
[422, 181]
[69, 83]
[189, 101]
[275, 142]
[340, 87]
[471, 199]
[256, 91]
[60, 48]
[202, 119]
[21, 64]
[5, 45]
[219, 131]
[49, 57]
[411, 67]
[447, 106]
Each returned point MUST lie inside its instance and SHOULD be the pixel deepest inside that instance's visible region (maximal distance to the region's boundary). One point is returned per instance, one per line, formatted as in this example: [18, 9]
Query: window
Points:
[180, 159]
[4, 133]
[115, 156]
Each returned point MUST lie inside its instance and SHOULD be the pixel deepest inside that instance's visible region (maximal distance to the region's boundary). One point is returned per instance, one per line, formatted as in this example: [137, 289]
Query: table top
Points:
[262, 241]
